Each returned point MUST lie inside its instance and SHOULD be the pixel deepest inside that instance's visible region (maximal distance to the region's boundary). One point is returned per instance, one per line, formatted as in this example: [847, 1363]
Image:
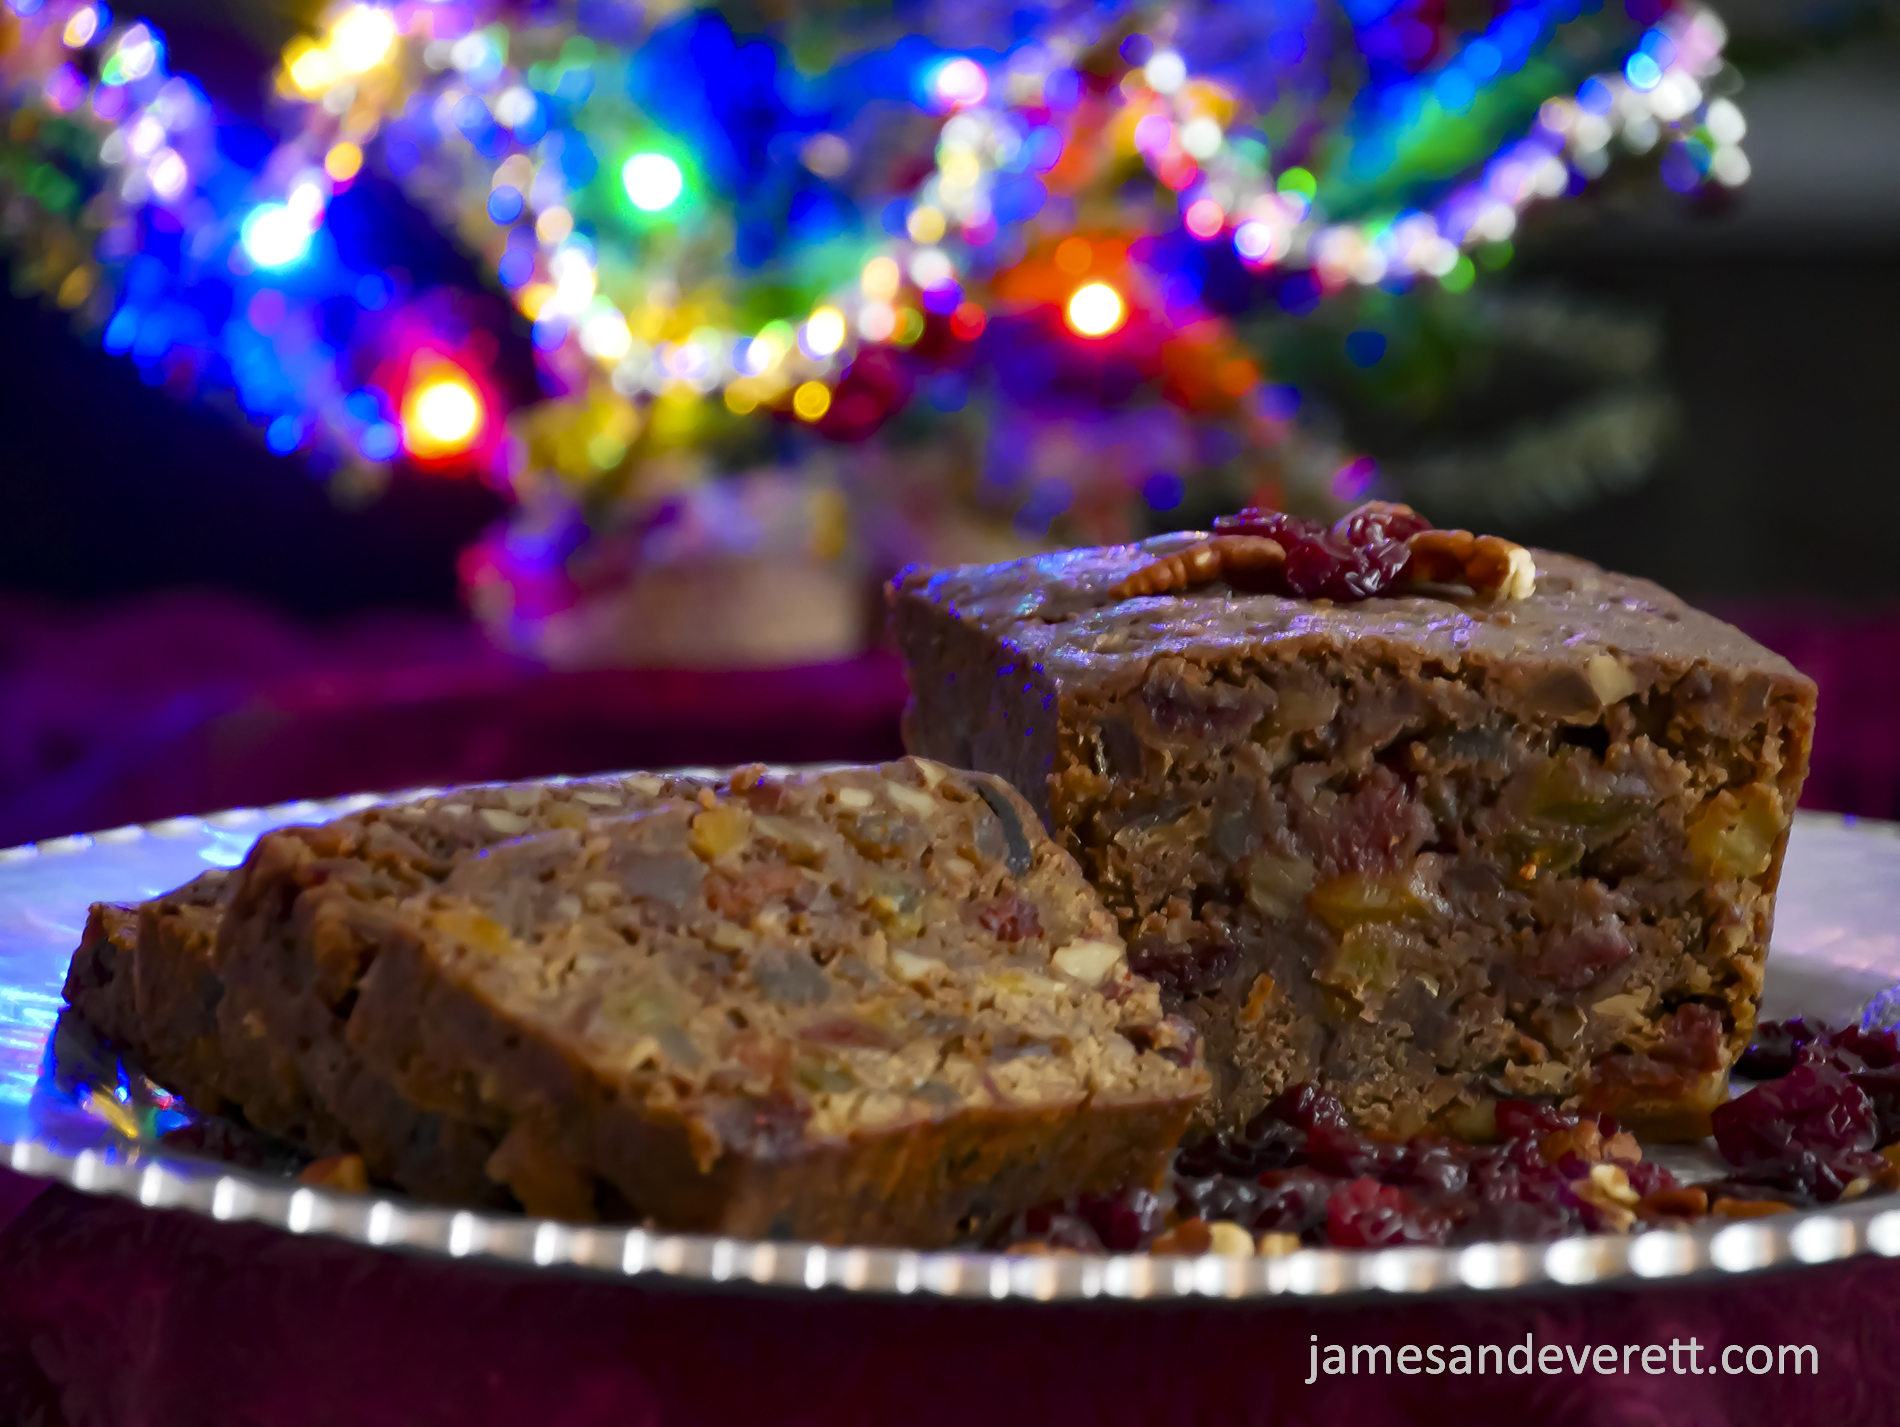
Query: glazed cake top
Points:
[1056, 612]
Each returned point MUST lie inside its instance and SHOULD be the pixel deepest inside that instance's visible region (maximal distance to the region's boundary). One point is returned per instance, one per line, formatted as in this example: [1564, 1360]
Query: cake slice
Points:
[873, 1005]
[305, 916]
[350, 1023]
[176, 990]
[99, 982]
[151, 980]
[139, 980]
[1427, 848]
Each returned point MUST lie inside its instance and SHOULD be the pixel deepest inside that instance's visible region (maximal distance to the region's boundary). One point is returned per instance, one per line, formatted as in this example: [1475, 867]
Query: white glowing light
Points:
[960, 83]
[1096, 309]
[472, 51]
[652, 181]
[756, 357]
[824, 332]
[273, 236]
[313, 70]
[604, 333]
[361, 38]
[1165, 71]
[931, 268]
[1730, 166]
[168, 173]
[137, 53]
[441, 416]
[877, 321]
[1725, 121]
[574, 283]
[81, 28]
[306, 201]
[1201, 137]
[515, 106]
[1253, 240]
[145, 135]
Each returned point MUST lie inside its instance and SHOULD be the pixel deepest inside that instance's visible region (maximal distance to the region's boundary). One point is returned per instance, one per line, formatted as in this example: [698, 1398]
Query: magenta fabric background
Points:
[112, 1314]
[186, 703]
[189, 702]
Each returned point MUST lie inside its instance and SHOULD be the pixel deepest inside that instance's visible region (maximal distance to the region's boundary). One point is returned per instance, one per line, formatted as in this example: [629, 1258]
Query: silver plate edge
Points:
[186, 1183]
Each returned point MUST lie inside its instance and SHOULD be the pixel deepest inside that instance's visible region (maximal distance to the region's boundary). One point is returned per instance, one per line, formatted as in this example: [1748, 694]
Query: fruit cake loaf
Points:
[1427, 848]
[99, 982]
[305, 917]
[871, 1005]
[142, 979]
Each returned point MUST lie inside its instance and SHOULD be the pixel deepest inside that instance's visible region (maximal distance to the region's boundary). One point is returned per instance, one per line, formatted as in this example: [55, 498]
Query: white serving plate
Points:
[1836, 945]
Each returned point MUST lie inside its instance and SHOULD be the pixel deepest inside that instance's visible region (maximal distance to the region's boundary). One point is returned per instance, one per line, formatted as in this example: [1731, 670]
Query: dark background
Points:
[188, 622]
[1779, 321]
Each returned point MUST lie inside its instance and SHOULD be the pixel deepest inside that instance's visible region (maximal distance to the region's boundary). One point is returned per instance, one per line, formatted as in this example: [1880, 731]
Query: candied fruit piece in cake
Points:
[871, 1005]
[1430, 848]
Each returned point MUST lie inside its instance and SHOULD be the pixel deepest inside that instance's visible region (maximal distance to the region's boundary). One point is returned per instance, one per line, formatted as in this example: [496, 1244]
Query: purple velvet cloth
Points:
[112, 1314]
[188, 702]
[185, 703]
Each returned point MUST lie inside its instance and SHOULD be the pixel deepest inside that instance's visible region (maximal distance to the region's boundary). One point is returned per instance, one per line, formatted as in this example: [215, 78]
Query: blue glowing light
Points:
[1364, 348]
[380, 441]
[504, 205]
[373, 292]
[274, 237]
[283, 434]
[1163, 490]
[515, 267]
[1642, 71]
[1455, 91]
[120, 331]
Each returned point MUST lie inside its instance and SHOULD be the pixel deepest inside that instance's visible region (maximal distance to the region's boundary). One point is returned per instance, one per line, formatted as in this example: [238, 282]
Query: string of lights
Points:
[670, 244]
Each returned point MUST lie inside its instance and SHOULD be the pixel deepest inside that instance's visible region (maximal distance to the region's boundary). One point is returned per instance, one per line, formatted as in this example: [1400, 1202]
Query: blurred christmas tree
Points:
[813, 290]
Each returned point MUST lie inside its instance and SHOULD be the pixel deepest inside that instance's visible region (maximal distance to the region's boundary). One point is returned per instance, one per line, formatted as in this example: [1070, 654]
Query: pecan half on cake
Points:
[1512, 835]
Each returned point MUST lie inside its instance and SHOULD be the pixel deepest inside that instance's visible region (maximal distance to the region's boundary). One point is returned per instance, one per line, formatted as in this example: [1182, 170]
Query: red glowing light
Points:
[444, 413]
[967, 322]
[1177, 170]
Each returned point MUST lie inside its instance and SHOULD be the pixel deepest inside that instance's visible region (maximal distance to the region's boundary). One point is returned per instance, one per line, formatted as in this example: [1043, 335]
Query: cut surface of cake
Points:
[875, 1005]
[303, 920]
[868, 1005]
[1428, 849]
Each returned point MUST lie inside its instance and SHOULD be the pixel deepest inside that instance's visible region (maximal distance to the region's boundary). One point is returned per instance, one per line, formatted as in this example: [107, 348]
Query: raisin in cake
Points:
[1426, 849]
